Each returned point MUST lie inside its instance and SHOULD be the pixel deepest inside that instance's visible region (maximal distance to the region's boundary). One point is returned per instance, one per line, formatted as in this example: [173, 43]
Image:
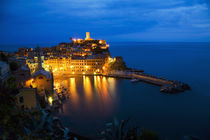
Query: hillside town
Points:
[80, 56]
[27, 79]
[35, 68]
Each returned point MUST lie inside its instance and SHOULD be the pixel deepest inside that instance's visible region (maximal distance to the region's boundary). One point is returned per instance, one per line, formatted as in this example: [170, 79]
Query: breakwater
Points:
[168, 86]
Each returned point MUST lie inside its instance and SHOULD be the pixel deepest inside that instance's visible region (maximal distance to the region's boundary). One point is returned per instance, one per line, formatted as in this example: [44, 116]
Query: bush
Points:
[13, 66]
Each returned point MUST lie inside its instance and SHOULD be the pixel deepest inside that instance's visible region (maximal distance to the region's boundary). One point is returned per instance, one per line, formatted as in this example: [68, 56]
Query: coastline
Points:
[167, 86]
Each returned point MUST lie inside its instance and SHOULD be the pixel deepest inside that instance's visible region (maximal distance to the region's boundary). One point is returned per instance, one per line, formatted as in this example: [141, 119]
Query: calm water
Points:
[94, 101]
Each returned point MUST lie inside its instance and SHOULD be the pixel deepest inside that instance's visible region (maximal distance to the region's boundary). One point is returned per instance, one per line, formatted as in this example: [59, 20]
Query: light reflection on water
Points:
[93, 95]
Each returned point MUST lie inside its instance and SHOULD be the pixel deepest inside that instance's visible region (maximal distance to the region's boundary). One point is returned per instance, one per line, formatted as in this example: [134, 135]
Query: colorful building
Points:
[27, 98]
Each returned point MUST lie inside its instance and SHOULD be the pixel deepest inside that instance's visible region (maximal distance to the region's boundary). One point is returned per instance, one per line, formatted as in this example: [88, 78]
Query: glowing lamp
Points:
[50, 99]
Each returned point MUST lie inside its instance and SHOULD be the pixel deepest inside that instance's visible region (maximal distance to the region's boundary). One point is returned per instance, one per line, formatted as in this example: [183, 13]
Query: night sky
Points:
[54, 21]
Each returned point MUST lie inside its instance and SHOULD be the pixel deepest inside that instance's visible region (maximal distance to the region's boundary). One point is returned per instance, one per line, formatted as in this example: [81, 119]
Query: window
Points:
[21, 100]
[40, 77]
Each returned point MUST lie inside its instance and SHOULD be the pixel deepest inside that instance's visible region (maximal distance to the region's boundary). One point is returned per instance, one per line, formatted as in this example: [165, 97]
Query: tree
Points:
[119, 130]
[13, 66]
[3, 57]
[118, 64]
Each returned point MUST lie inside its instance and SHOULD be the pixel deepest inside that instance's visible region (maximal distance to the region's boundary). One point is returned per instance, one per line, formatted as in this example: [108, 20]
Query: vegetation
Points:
[13, 66]
[11, 82]
[16, 123]
[98, 50]
[86, 42]
[3, 57]
[118, 64]
[120, 131]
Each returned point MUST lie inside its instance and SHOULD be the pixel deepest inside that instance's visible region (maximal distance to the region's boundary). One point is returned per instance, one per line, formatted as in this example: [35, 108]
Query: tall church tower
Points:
[42, 79]
[39, 59]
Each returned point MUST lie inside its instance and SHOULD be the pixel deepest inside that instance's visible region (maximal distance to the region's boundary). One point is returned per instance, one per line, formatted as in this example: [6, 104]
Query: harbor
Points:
[166, 86]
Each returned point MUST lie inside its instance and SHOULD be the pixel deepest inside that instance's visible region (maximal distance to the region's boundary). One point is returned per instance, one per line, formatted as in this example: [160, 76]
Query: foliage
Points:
[3, 57]
[9, 118]
[118, 64]
[16, 123]
[86, 42]
[13, 66]
[148, 135]
[116, 130]
[120, 131]
[11, 82]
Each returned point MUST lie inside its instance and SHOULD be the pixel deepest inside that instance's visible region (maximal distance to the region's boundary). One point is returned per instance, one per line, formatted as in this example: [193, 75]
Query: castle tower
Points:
[88, 36]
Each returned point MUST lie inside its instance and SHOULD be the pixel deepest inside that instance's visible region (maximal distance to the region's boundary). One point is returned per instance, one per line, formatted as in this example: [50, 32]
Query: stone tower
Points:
[88, 36]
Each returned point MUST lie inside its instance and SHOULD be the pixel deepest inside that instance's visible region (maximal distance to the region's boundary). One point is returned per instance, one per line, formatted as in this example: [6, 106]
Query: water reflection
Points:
[87, 88]
[73, 90]
[89, 94]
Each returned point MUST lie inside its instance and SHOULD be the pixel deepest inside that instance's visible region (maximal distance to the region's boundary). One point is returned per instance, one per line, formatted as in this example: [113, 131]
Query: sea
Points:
[96, 100]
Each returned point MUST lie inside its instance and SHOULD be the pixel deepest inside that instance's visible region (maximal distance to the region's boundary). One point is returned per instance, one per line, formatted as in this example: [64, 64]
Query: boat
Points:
[134, 80]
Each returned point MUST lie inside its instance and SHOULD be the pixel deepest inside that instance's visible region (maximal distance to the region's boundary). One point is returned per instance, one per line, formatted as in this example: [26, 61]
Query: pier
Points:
[167, 86]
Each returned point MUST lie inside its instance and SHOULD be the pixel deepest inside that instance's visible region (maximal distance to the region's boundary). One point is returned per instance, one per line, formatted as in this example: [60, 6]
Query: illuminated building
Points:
[73, 57]
[33, 63]
[82, 53]
[24, 52]
[90, 65]
[42, 79]
[57, 63]
[76, 65]
[88, 36]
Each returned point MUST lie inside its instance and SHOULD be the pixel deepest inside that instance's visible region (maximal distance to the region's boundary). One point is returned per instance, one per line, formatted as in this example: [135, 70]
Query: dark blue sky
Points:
[53, 21]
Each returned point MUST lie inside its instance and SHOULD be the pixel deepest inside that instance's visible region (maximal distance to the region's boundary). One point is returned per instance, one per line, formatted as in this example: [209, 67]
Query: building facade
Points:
[90, 65]
[4, 70]
[27, 98]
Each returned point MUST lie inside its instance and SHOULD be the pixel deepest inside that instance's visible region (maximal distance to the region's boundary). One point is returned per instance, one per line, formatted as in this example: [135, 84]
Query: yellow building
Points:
[33, 63]
[57, 63]
[90, 65]
[84, 52]
[43, 81]
[27, 98]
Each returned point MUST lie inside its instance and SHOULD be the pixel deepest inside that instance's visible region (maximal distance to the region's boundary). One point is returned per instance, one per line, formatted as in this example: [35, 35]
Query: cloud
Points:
[205, 25]
[121, 18]
[181, 12]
